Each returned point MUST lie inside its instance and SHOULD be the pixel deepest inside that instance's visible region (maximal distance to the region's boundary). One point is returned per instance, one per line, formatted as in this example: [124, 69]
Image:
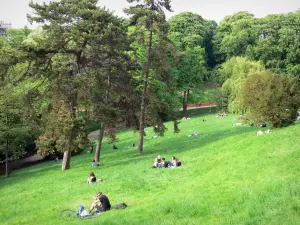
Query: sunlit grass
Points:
[229, 176]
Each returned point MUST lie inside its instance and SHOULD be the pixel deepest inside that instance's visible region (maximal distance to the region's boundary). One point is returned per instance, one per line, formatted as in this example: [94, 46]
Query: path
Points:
[31, 160]
[201, 105]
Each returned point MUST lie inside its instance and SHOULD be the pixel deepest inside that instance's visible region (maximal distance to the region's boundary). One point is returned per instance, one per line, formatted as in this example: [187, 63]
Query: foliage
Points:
[233, 36]
[273, 40]
[154, 57]
[191, 35]
[189, 30]
[233, 74]
[65, 57]
[190, 72]
[58, 124]
[17, 129]
[271, 98]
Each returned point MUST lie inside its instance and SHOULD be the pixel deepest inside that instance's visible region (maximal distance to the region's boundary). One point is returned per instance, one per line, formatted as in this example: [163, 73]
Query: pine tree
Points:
[111, 81]
[149, 15]
[71, 26]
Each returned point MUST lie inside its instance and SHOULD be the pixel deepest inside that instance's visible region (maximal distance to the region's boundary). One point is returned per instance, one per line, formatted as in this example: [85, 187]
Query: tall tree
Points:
[188, 30]
[234, 35]
[149, 15]
[70, 26]
[190, 73]
[18, 122]
[274, 40]
[191, 34]
[111, 81]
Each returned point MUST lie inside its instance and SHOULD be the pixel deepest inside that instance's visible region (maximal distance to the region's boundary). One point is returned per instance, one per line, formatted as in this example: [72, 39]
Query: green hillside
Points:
[229, 176]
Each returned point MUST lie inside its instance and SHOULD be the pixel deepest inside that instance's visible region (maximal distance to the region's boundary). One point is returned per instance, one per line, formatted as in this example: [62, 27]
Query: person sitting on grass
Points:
[92, 178]
[94, 163]
[101, 203]
[175, 161]
[165, 163]
[157, 161]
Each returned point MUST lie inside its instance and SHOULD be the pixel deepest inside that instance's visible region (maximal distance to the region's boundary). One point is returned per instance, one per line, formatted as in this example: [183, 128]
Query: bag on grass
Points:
[121, 206]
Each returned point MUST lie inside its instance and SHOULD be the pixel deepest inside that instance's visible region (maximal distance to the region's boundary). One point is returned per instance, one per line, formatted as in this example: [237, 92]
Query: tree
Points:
[271, 97]
[273, 40]
[188, 30]
[191, 34]
[278, 42]
[234, 35]
[71, 27]
[17, 129]
[233, 74]
[149, 15]
[19, 126]
[112, 89]
[190, 73]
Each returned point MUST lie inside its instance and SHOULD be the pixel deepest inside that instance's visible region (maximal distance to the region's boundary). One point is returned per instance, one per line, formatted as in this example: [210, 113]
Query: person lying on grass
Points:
[195, 133]
[175, 161]
[101, 203]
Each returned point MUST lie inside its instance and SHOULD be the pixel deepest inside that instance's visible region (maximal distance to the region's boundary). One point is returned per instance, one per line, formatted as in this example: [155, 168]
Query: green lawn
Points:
[229, 176]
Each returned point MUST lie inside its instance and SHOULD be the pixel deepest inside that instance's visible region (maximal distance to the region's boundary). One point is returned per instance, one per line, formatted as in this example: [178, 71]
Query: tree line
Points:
[84, 64]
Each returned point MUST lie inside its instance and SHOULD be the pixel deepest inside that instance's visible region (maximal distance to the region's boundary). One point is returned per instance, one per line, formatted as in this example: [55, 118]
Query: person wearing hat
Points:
[157, 161]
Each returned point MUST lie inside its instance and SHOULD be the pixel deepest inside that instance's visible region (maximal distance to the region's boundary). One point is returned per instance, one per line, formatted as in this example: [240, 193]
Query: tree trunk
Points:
[6, 150]
[6, 159]
[99, 145]
[185, 103]
[66, 160]
[101, 132]
[67, 154]
[144, 94]
[66, 163]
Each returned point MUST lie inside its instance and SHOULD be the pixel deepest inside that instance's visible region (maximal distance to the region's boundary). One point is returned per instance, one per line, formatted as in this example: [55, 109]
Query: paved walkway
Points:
[22, 163]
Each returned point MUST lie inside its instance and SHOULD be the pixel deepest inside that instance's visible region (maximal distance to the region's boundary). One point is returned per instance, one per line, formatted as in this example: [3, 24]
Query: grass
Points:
[229, 176]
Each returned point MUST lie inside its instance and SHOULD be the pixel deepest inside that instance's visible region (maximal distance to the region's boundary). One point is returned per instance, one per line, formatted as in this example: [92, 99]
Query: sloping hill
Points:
[229, 176]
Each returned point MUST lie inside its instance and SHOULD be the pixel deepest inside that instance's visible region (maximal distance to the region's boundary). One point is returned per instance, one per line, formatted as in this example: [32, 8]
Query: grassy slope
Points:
[229, 176]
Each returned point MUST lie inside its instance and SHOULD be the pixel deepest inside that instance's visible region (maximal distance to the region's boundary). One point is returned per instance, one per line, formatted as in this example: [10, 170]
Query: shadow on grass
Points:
[183, 144]
[36, 171]
[111, 158]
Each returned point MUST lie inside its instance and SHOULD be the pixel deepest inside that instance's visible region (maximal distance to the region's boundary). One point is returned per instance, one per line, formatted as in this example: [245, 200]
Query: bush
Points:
[233, 74]
[271, 97]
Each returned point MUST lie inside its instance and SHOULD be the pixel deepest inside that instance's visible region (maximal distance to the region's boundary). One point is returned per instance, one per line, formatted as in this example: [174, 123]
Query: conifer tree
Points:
[112, 81]
[71, 26]
[149, 15]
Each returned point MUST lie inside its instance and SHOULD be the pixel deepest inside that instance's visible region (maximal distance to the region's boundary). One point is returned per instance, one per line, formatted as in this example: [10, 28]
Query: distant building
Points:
[3, 27]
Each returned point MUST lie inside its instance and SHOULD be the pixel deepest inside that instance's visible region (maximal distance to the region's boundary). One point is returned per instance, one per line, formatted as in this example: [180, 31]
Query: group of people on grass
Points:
[160, 162]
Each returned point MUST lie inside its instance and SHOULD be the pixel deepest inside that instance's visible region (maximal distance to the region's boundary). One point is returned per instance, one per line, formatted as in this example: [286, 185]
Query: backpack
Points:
[121, 206]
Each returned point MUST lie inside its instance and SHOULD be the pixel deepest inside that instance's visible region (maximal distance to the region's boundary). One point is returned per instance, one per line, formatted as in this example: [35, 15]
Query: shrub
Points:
[270, 97]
